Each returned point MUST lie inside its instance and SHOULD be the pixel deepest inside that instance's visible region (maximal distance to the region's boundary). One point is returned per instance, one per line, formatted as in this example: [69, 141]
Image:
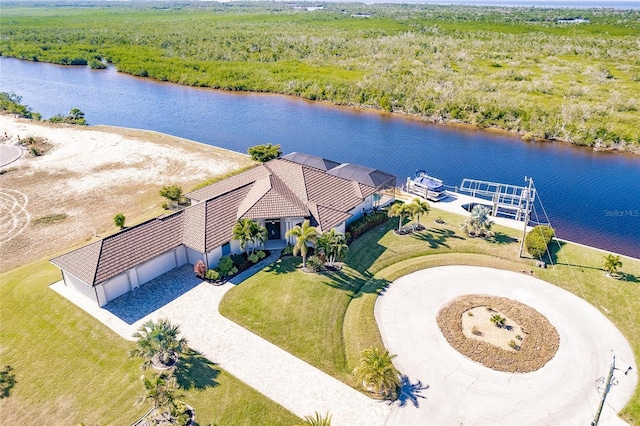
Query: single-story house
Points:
[278, 194]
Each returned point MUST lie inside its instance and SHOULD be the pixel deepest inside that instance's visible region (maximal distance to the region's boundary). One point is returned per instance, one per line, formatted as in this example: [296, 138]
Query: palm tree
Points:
[340, 248]
[401, 211]
[160, 390]
[479, 220]
[258, 234]
[304, 234]
[333, 245]
[242, 232]
[317, 420]
[377, 373]
[158, 341]
[421, 207]
[611, 264]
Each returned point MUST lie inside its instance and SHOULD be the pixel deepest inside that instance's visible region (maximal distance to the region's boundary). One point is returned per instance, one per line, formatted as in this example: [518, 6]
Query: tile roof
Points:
[284, 187]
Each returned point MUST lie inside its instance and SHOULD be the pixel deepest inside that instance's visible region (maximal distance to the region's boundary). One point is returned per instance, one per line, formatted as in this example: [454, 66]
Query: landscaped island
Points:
[534, 71]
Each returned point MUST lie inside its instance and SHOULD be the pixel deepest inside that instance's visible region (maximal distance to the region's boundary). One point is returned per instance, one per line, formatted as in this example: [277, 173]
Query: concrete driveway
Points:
[463, 392]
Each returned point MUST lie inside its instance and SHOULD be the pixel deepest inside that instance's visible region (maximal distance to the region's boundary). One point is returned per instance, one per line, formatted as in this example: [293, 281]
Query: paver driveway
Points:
[463, 392]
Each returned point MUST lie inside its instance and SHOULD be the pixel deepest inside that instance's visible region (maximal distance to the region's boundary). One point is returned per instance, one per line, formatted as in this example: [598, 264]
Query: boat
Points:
[426, 186]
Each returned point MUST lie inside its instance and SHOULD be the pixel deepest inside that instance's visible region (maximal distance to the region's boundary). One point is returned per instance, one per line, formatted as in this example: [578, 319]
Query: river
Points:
[590, 197]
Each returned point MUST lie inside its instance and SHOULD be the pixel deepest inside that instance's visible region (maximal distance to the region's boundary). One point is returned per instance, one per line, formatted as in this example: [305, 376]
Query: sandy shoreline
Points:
[88, 175]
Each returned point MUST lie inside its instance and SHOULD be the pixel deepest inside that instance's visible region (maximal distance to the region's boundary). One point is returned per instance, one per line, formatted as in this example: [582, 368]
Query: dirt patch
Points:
[89, 174]
[540, 339]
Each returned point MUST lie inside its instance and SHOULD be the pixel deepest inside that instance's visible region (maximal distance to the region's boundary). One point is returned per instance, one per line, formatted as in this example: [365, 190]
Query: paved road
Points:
[462, 392]
[9, 154]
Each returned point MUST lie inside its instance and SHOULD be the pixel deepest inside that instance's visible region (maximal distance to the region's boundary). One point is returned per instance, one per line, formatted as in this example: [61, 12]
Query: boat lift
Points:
[511, 201]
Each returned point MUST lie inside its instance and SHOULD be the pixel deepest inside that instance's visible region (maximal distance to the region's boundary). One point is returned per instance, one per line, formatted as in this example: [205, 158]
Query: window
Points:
[226, 249]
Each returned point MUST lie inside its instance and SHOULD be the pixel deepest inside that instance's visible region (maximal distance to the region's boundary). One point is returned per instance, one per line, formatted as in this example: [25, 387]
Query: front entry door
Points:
[273, 229]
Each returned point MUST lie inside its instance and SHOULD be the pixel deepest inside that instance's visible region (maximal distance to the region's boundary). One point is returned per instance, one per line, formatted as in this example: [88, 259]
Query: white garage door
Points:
[156, 267]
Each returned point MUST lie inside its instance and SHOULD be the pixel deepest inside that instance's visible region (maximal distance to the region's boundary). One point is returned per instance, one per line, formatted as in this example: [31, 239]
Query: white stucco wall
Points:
[156, 266]
[193, 256]
[214, 257]
[116, 286]
[356, 212]
[79, 285]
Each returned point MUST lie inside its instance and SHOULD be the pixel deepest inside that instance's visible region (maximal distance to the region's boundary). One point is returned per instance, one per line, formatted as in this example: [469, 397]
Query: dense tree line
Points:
[518, 69]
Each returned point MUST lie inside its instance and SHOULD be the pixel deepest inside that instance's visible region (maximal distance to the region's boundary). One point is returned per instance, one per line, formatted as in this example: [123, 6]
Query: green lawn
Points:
[71, 369]
[327, 319]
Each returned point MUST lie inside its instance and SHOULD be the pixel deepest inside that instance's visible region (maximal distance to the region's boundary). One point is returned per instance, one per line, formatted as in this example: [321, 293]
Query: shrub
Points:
[200, 269]
[475, 330]
[232, 271]
[212, 275]
[172, 193]
[118, 220]
[537, 240]
[225, 265]
[288, 250]
[367, 222]
[264, 153]
[253, 258]
[261, 254]
[498, 320]
[470, 313]
[513, 344]
[315, 264]
[237, 259]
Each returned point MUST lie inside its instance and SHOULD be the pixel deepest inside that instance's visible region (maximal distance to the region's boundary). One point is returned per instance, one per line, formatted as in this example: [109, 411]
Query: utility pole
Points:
[526, 213]
[605, 391]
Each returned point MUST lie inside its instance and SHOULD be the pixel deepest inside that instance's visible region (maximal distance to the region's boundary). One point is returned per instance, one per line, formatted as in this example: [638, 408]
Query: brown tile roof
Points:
[279, 188]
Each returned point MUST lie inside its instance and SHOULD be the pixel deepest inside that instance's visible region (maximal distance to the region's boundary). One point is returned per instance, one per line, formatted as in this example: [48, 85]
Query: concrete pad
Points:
[9, 154]
[462, 391]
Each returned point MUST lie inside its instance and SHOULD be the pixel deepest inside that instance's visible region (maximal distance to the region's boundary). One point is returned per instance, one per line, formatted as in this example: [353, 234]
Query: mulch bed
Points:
[540, 345]
[408, 231]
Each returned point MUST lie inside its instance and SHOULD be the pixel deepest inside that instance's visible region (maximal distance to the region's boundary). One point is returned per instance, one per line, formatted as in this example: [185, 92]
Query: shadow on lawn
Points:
[194, 371]
[436, 238]
[502, 239]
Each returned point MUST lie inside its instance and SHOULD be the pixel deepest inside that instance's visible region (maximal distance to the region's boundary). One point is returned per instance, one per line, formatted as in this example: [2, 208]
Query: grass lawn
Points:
[327, 319]
[71, 369]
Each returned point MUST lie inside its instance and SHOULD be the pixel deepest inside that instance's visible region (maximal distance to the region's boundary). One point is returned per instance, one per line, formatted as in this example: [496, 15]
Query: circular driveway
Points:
[463, 392]
[9, 154]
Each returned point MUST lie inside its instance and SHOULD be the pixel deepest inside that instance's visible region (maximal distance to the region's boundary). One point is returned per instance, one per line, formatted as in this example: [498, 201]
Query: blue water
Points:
[592, 198]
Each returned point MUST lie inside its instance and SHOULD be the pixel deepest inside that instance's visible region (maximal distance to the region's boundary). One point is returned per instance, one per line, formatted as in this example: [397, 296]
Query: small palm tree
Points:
[242, 232]
[304, 234]
[333, 245]
[316, 420]
[377, 373]
[158, 340]
[479, 220]
[258, 235]
[160, 390]
[400, 210]
[611, 263]
[420, 207]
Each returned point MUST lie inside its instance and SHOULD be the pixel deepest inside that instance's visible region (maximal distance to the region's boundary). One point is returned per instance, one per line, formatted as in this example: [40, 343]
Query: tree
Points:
[400, 210]
[316, 420]
[611, 263]
[537, 240]
[264, 153]
[304, 234]
[479, 220]
[75, 116]
[420, 207]
[158, 341]
[242, 233]
[172, 193]
[160, 390]
[377, 373]
[333, 245]
[7, 381]
[118, 220]
[258, 235]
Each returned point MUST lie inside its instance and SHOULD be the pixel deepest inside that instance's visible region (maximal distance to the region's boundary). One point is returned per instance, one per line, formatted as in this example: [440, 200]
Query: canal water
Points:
[590, 197]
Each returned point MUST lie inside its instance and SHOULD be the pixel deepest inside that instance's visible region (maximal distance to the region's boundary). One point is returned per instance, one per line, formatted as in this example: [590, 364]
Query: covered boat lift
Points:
[510, 201]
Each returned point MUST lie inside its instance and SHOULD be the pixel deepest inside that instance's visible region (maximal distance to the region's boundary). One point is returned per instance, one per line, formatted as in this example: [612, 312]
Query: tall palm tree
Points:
[304, 234]
[316, 420]
[158, 340]
[420, 207]
[258, 235]
[611, 263]
[400, 210]
[377, 373]
[479, 220]
[242, 232]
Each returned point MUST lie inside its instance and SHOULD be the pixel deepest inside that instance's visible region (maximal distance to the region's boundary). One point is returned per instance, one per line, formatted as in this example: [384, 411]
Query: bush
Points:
[288, 250]
[225, 265]
[172, 193]
[237, 259]
[261, 254]
[232, 271]
[315, 264]
[200, 269]
[537, 240]
[253, 258]
[498, 320]
[367, 222]
[212, 275]
[264, 153]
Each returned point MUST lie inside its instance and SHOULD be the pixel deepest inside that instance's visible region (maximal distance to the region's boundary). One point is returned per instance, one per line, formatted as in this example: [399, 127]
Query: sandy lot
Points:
[89, 174]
